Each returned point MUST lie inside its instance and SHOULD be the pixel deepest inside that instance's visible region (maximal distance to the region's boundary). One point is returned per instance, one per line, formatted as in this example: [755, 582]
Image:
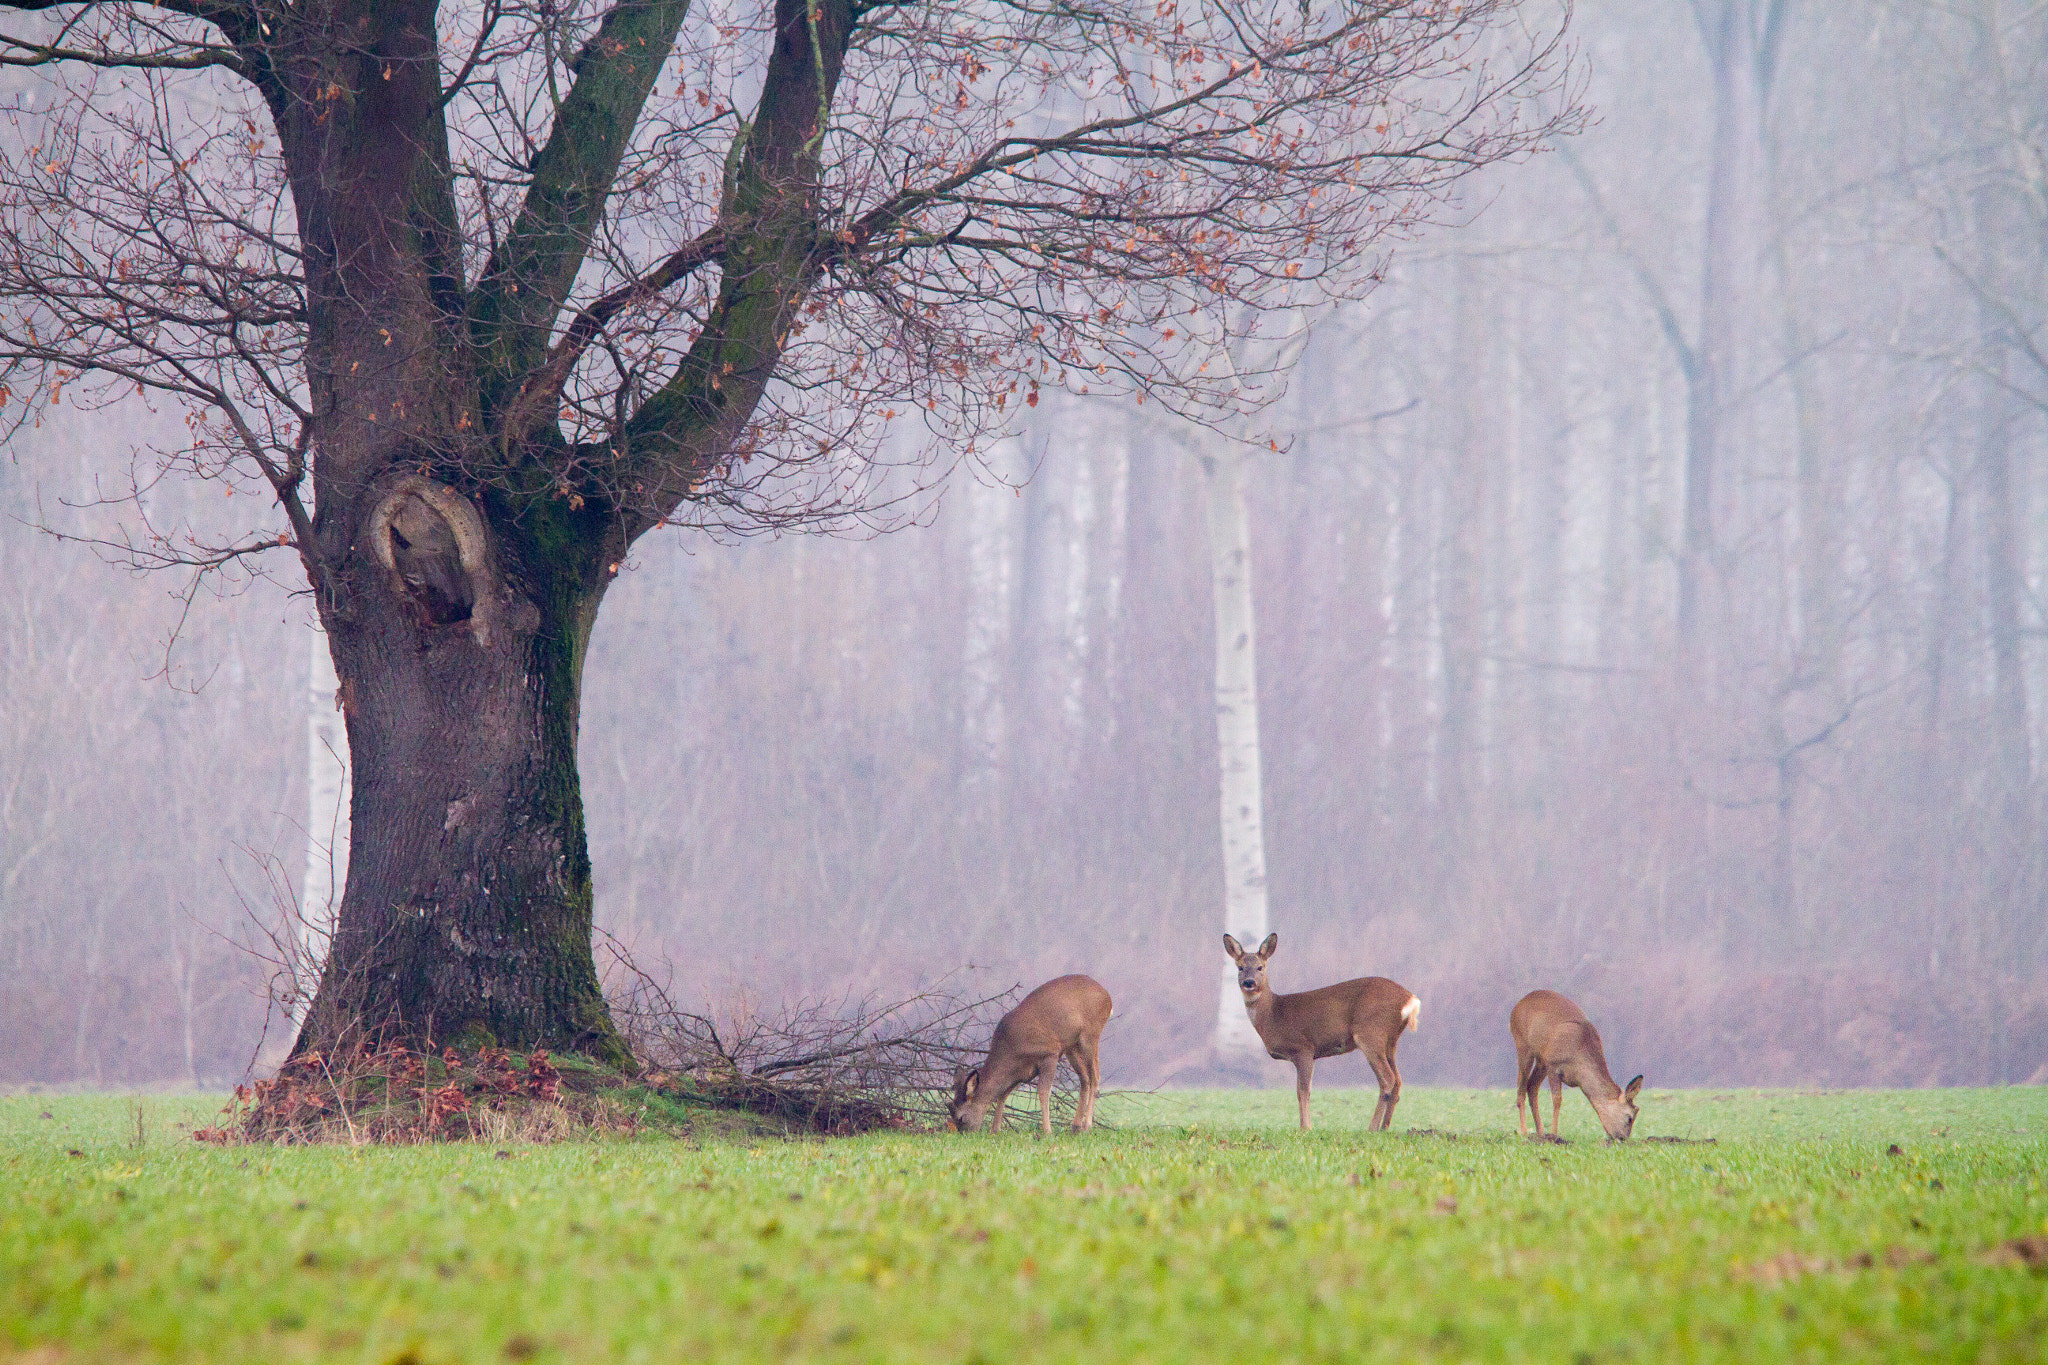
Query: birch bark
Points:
[1237, 736]
[327, 824]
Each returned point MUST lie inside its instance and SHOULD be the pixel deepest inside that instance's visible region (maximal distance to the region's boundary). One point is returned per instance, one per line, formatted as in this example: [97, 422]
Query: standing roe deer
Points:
[1062, 1018]
[1555, 1040]
[1369, 1014]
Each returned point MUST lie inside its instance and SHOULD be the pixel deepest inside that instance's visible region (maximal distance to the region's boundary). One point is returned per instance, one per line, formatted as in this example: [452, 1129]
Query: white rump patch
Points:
[1412, 1011]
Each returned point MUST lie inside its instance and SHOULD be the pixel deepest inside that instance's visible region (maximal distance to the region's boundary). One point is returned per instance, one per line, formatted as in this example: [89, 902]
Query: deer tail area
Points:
[1411, 1013]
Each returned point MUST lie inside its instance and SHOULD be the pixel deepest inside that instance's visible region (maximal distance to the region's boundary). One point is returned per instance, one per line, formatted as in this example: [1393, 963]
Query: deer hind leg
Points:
[1532, 1091]
[1393, 1091]
[1304, 1069]
[1087, 1059]
[1389, 1076]
[1523, 1062]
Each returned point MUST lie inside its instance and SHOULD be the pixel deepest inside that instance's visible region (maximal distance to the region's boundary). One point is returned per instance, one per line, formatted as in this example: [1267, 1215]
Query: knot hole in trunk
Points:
[432, 542]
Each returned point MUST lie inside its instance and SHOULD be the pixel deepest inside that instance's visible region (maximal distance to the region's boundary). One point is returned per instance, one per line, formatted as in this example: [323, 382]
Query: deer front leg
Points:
[1046, 1071]
[1304, 1069]
[1556, 1101]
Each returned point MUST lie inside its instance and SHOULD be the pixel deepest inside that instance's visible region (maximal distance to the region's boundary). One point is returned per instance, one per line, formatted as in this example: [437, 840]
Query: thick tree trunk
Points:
[459, 548]
[457, 625]
[467, 916]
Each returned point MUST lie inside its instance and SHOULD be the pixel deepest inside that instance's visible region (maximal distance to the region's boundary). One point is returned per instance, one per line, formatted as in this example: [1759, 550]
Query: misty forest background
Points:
[1783, 828]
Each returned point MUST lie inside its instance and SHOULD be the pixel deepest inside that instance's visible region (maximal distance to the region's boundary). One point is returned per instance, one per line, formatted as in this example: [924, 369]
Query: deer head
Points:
[1251, 967]
[1618, 1115]
[963, 1114]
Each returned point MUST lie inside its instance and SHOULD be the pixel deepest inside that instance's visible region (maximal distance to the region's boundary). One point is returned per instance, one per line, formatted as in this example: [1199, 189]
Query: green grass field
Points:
[1202, 1228]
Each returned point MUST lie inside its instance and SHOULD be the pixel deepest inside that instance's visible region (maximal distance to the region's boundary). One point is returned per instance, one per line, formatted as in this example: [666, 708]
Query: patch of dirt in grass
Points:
[1791, 1265]
[1094, 1191]
[1684, 1141]
[2031, 1252]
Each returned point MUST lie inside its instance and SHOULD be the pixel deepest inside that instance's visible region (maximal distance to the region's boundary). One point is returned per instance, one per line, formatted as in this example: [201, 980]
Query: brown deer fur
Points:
[1555, 1041]
[1062, 1018]
[1367, 1015]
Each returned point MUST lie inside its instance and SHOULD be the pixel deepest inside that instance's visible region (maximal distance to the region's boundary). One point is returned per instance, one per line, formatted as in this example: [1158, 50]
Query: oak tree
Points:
[477, 295]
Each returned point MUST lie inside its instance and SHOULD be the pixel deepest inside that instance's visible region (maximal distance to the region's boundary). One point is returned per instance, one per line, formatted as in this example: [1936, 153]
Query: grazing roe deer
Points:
[1062, 1018]
[1554, 1040]
[1369, 1015]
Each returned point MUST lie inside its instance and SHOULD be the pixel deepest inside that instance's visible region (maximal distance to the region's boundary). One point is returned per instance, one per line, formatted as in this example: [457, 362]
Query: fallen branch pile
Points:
[848, 1065]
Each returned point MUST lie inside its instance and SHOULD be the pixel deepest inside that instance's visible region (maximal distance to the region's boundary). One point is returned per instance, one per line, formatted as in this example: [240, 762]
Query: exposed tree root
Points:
[394, 1095]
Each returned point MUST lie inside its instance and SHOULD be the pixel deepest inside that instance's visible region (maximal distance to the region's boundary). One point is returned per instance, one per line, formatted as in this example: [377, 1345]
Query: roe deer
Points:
[1062, 1018]
[1555, 1041]
[1369, 1014]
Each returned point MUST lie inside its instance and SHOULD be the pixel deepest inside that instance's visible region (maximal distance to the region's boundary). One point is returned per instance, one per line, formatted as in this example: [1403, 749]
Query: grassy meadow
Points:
[1201, 1227]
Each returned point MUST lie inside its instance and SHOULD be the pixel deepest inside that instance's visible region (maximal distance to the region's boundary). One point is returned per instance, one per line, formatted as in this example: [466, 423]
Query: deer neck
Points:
[1260, 1008]
[1597, 1085]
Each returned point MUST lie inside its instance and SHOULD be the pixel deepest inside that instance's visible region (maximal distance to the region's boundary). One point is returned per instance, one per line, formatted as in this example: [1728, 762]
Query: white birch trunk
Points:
[1237, 739]
[327, 824]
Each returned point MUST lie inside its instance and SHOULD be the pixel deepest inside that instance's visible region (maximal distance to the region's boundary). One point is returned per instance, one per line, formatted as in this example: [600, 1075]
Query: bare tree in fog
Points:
[472, 307]
[1742, 39]
[1991, 199]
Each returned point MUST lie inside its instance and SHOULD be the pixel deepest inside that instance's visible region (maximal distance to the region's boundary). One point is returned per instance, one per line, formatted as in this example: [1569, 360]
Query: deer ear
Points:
[1633, 1086]
[1231, 946]
[1266, 948]
[971, 1083]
